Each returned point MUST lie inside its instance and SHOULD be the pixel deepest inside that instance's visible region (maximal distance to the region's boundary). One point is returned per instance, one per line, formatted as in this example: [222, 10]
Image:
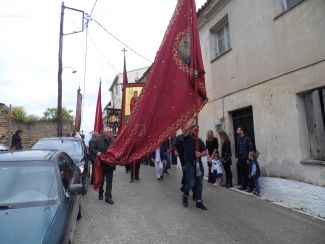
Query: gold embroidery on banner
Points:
[179, 62]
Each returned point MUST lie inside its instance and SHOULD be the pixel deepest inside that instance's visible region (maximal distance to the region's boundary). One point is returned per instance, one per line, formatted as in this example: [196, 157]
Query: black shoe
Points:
[100, 197]
[109, 201]
[137, 179]
[249, 190]
[243, 188]
[161, 177]
[201, 206]
[185, 201]
[132, 180]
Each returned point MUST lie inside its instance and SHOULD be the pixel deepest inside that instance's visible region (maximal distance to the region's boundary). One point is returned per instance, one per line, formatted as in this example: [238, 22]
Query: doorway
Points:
[244, 118]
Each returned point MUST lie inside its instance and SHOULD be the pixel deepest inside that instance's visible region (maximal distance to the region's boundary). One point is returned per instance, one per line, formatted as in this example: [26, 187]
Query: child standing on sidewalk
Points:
[216, 170]
[254, 172]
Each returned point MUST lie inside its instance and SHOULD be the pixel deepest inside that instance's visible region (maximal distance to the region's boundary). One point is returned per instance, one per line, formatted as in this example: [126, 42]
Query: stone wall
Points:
[31, 131]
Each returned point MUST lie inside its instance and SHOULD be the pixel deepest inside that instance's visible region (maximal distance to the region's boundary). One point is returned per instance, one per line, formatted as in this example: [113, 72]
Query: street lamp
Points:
[73, 70]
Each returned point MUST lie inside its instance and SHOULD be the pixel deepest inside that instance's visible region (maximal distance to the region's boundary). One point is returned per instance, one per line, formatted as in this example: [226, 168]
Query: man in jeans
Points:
[193, 179]
[100, 147]
[242, 150]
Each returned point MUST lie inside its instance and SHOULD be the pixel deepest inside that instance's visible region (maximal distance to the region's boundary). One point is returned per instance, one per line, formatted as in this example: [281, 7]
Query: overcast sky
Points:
[29, 33]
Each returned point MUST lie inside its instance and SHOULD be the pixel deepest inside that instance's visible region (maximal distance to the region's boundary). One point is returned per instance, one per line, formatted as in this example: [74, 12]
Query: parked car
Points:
[74, 147]
[3, 148]
[40, 199]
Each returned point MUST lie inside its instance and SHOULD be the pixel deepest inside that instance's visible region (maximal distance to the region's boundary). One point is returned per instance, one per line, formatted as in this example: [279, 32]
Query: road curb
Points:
[277, 203]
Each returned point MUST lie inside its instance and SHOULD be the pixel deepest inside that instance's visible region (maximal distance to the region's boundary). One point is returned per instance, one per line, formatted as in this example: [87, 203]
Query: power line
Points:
[85, 74]
[25, 15]
[101, 53]
[93, 8]
[127, 46]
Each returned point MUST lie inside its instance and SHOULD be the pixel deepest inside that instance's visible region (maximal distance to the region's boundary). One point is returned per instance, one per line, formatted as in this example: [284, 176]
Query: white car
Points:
[3, 147]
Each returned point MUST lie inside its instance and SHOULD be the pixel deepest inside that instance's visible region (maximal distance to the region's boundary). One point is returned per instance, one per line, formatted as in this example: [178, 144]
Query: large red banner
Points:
[98, 125]
[78, 111]
[169, 99]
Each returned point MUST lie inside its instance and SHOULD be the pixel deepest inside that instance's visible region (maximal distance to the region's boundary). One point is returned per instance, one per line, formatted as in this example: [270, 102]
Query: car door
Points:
[67, 176]
[74, 200]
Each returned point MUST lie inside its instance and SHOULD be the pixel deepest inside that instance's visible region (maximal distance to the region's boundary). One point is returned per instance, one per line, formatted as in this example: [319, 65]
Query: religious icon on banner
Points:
[132, 93]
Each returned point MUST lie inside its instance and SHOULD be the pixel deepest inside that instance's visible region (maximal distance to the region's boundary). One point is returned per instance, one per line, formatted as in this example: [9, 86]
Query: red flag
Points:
[125, 82]
[98, 127]
[78, 111]
[168, 100]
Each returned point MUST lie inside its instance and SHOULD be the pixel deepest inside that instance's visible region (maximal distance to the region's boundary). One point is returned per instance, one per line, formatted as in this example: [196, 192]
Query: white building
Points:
[265, 70]
[116, 87]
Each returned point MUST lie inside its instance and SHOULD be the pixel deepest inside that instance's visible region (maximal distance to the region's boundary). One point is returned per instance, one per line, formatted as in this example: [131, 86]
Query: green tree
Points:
[30, 118]
[52, 114]
[19, 113]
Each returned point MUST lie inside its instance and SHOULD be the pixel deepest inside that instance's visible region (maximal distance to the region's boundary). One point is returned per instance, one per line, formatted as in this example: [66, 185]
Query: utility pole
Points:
[10, 127]
[59, 108]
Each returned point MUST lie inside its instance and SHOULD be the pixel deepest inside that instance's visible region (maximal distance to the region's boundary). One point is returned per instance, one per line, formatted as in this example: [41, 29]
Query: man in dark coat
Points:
[242, 150]
[100, 147]
[194, 170]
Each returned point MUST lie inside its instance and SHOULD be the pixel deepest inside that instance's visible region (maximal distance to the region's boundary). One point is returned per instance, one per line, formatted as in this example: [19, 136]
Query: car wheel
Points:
[79, 213]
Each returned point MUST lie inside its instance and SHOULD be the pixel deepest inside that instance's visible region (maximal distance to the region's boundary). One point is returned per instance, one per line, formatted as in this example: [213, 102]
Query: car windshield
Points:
[71, 147]
[32, 183]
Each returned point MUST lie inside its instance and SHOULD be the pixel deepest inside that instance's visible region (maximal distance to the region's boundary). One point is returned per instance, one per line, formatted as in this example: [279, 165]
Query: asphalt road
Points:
[151, 211]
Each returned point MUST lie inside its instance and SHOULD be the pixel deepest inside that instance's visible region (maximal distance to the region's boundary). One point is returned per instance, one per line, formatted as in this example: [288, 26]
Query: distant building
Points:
[134, 76]
[265, 71]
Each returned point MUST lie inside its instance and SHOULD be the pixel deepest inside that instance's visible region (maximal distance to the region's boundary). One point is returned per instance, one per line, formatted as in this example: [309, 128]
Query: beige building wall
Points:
[273, 60]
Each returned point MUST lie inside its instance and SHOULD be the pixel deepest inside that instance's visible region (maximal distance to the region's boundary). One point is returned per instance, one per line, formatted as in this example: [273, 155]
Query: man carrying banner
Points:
[99, 148]
[194, 170]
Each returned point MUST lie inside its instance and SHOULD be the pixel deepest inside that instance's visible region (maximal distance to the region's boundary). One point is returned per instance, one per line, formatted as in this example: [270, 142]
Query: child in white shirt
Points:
[217, 170]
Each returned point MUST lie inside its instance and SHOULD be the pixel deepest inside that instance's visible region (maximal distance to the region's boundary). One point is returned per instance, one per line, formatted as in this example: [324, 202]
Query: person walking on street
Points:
[165, 147]
[91, 155]
[179, 152]
[100, 147]
[212, 145]
[194, 170]
[16, 140]
[157, 157]
[174, 157]
[135, 169]
[242, 150]
[226, 157]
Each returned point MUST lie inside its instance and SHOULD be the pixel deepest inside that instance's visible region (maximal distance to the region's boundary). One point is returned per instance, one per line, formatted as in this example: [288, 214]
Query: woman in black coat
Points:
[226, 157]
[16, 140]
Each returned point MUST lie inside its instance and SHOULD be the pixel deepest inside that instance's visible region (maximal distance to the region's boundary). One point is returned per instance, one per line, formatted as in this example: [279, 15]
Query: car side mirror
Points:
[76, 189]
